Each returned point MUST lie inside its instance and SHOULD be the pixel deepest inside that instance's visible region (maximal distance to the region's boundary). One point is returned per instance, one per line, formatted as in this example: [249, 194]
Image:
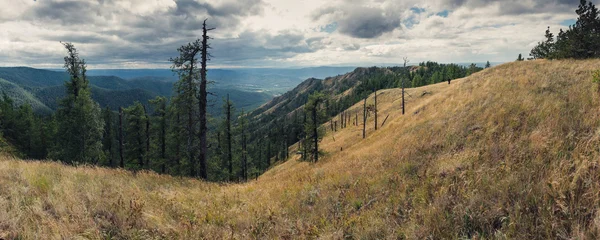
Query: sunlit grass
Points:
[510, 152]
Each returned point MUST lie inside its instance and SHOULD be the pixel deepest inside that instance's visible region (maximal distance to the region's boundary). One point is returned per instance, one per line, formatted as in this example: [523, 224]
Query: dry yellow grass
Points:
[510, 152]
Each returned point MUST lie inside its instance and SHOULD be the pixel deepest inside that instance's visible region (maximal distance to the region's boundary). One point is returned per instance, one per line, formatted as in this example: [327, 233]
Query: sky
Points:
[276, 33]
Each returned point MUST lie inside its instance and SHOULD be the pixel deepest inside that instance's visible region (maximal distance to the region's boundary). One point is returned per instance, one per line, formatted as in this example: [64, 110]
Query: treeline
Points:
[425, 73]
[579, 41]
[172, 135]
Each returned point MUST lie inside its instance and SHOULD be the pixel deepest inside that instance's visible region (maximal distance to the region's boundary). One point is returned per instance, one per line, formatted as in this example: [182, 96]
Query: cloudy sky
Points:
[276, 33]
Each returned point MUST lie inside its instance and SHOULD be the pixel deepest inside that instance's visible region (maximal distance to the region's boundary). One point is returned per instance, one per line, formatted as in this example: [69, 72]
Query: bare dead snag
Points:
[384, 120]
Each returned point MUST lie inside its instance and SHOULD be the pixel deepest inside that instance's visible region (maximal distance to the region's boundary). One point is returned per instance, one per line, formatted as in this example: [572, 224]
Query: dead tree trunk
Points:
[375, 109]
[121, 143]
[386, 117]
[405, 62]
[365, 118]
[348, 118]
[202, 102]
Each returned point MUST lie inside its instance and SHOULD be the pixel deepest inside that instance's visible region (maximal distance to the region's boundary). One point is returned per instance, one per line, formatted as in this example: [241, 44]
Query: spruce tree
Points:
[135, 129]
[186, 66]
[160, 111]
[243, 142]
[228, 109]
[108, 136]
[79, 122]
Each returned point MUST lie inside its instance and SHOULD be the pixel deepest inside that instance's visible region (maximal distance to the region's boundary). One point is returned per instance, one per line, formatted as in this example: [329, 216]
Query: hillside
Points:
[22, 96]
[296, 97]
[509, 152]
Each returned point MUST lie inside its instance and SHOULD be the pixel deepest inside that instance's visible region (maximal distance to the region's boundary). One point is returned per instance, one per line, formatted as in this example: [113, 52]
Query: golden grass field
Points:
[510, 152]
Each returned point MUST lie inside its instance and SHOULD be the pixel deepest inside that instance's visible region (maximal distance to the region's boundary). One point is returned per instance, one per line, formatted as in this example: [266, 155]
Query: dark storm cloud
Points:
[186, 14]
[251, 45]
[67, 12]
[359, 21]
[240, 8]
[155, 37]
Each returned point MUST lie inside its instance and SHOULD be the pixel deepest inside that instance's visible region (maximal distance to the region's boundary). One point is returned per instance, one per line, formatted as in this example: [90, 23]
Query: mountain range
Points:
[248, 88]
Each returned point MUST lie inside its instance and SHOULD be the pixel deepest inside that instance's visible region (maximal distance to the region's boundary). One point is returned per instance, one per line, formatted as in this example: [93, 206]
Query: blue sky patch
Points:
[443, 13]
[329, 28]
[410, 22]
[568, 22]
[417, 10]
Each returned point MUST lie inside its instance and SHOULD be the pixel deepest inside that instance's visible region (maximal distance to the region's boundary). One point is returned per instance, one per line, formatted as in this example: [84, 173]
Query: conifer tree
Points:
[108, 136]
[227, 109]
[135, 138]
[417, 81]
[121, 139]
[25, 128]
[317, 114]
[160, 110]
[243, 125]
[79, 122]
[186, 66]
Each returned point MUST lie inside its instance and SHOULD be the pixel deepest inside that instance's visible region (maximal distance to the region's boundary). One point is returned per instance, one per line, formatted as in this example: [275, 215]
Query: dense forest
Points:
[174, 134]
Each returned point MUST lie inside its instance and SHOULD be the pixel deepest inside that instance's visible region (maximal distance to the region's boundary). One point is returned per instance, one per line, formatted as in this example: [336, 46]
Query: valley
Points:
[466, 160]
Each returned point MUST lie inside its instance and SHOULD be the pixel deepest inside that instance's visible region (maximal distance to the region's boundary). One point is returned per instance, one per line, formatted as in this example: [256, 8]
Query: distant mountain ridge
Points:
[42, 89]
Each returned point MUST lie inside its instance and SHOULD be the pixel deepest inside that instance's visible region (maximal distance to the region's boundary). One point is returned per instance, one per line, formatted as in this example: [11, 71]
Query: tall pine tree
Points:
[79, 122]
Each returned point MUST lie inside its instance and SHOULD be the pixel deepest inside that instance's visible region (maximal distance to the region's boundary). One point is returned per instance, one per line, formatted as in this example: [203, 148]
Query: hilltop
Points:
[509, 152]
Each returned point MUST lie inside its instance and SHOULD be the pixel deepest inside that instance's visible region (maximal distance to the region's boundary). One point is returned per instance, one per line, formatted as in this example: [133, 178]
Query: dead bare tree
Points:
[405, 62]
[375, 110]
[365, 118]
[202, 103]
[386, 117]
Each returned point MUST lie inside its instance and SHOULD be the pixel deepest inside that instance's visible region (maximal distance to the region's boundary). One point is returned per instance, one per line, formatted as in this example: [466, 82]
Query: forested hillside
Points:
[22, 97]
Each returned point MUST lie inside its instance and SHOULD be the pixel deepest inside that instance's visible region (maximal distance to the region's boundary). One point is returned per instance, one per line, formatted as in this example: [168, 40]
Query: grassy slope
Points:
[508, 152]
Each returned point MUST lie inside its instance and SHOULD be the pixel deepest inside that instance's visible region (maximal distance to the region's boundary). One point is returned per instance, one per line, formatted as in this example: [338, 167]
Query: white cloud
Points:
[275, 33]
